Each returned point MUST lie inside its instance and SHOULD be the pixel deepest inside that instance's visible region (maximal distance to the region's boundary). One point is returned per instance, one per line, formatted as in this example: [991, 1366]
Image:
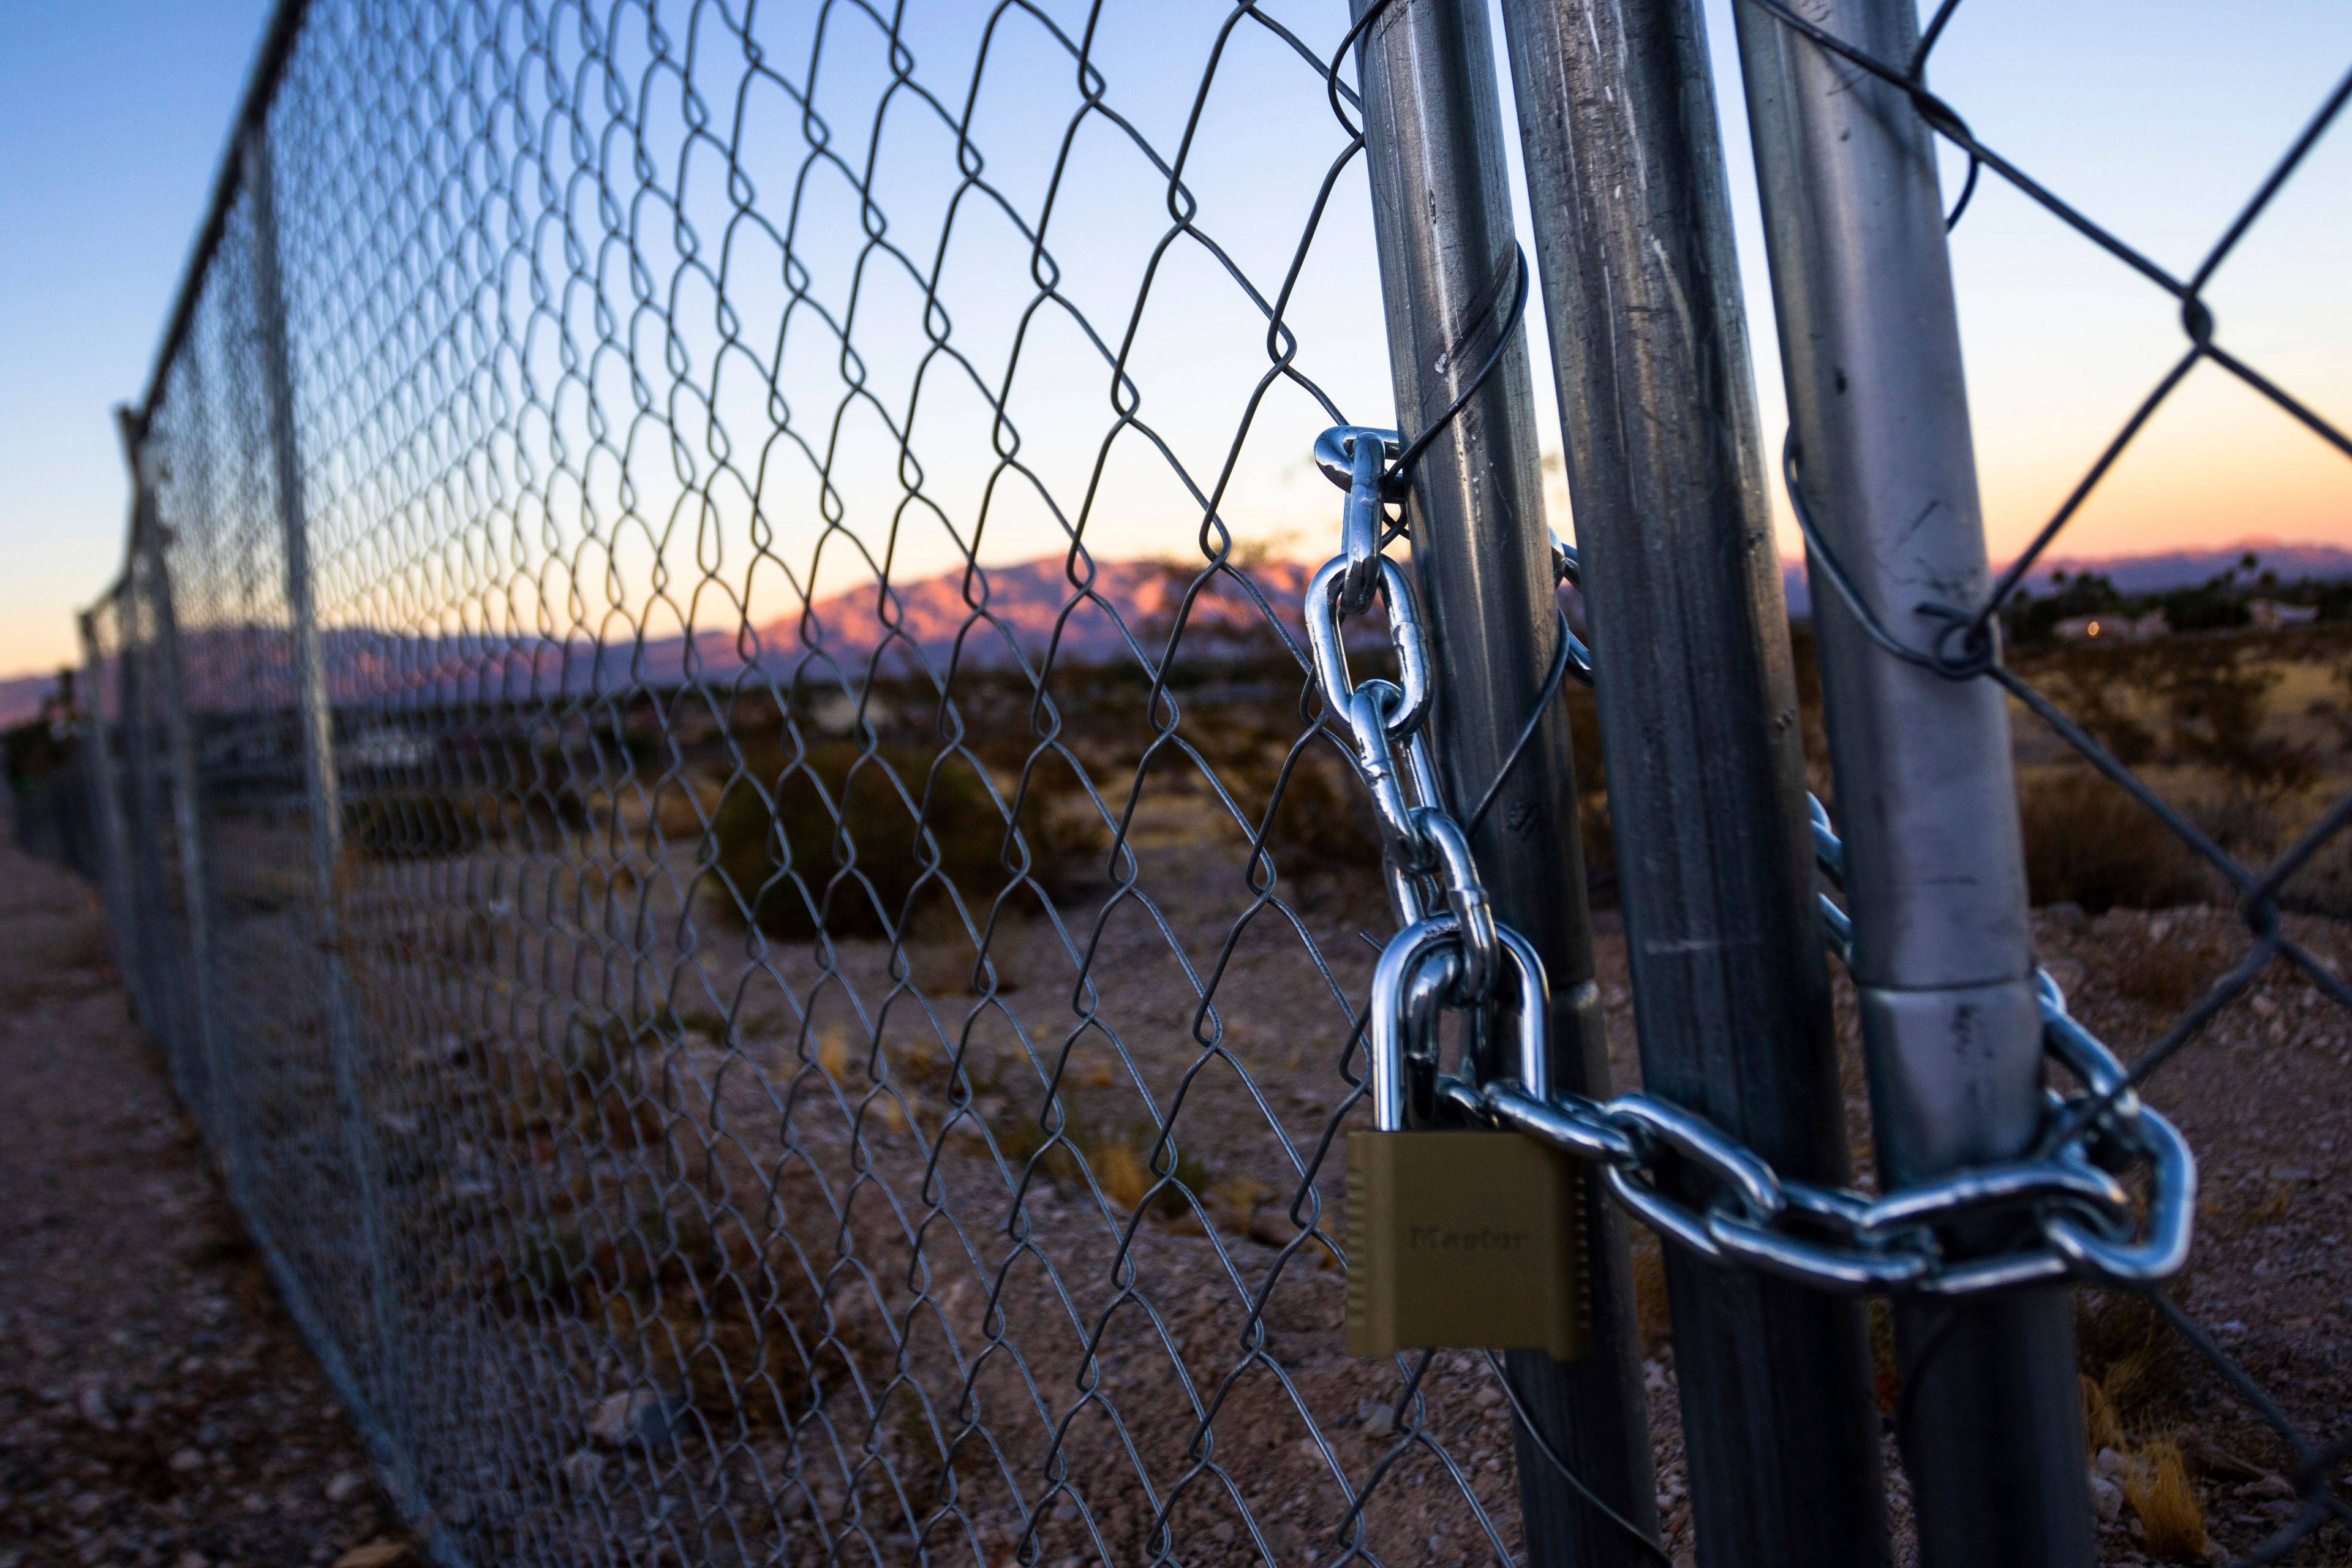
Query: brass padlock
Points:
[1460, 1239]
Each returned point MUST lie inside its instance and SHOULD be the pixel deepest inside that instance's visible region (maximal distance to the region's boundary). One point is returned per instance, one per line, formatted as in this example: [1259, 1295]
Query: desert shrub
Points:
[414, 824]
[33, 751]
[1324, 820]
[839, 808]
[2217, 704]
[2088, 843]
[2093, 686]
[401, 826]
[941, 961]
[2324, 884]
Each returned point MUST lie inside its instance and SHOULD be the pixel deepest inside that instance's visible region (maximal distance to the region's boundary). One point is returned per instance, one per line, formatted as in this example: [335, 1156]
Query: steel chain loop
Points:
[2065, 1211]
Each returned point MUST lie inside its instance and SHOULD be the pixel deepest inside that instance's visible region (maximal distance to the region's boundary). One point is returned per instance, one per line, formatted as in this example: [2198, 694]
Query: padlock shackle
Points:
[1535, 1012]
[1399, 1000]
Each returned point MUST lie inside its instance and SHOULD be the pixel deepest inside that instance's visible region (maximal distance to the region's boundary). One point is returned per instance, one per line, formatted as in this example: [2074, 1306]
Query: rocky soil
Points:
[156, 1406]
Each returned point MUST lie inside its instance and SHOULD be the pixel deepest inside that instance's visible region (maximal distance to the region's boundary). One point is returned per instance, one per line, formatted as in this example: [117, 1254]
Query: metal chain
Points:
[2065, 1211]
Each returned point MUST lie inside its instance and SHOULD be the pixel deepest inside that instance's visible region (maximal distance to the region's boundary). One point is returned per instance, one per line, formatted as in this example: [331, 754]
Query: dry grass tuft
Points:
[2101, 1429]
[1120, 1170]
[833, 1052]
[1651, 1310]
[1118, 1155]
[2274, 1206]
[2128, 1350]
[2171, 964]
[2155, 1484]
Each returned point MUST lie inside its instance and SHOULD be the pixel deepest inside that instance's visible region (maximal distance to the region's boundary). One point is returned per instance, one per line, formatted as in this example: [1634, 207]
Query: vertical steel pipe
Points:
[150, 540]
[1698, 709]
[106, 798]
[1482, 558]
[1926, 797]
[142, 880]
[314, 714]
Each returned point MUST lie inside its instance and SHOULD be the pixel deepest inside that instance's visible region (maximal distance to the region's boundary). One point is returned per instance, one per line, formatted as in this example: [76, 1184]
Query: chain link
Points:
[2063, 1211]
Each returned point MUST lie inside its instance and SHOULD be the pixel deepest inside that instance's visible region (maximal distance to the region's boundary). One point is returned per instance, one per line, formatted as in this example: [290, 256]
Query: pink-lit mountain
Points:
[1122, 615]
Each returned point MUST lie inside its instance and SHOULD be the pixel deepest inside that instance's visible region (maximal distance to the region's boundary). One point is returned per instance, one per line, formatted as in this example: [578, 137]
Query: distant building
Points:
[2117, 625]
[2269, 615]
[387, 748]
[836, 712]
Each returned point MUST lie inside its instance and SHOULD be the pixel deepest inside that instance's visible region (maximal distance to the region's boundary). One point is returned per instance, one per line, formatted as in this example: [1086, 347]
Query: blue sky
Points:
[112, 117]
[112, 114]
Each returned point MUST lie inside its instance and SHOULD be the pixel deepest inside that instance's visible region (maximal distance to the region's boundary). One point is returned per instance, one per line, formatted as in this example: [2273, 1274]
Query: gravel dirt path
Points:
[156, 1406]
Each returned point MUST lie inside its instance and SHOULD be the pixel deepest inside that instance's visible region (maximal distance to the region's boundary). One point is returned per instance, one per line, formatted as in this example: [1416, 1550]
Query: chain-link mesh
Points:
[784, 1009]
[2270, 987]
[768, 991]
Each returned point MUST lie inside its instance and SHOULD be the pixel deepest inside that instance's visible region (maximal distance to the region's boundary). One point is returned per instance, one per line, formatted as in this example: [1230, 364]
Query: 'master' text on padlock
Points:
[1446, 1239]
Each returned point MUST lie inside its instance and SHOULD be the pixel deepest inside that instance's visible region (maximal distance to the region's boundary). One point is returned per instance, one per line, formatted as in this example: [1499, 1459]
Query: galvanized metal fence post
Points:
[149, 543]
[315, 718]
[1482, 556]
[1869, 345]
[142, 880]
[105, 799]
[1698, 708]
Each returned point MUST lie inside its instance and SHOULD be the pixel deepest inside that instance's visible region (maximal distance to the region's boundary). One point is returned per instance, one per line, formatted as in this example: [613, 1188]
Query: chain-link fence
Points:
[1890, 612]
[774, 925]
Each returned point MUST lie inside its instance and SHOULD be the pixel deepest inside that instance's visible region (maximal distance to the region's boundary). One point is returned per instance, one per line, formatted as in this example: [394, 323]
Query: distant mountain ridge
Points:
[993, 617]
[21, 697]
[996, 611]
[2153, 574]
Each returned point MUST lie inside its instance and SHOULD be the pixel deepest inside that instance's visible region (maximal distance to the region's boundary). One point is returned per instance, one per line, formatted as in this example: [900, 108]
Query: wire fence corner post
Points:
[1882, 460]
[314, 719]
[1697, 705]
[1482, 558]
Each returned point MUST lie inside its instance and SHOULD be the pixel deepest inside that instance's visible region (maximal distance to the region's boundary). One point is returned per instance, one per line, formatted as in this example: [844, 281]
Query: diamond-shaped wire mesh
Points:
[804, 1037]
[800, 1036]
[2182, 732]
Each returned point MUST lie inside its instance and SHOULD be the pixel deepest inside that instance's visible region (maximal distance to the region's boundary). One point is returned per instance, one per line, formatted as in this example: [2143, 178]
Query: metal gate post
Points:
[106, 802]
[1482, 556]
[1699, 708]
[149, 543]
[1869, 345]
[315, 716]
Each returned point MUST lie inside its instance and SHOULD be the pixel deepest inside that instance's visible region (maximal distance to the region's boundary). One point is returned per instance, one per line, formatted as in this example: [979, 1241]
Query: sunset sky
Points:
[2157, 121]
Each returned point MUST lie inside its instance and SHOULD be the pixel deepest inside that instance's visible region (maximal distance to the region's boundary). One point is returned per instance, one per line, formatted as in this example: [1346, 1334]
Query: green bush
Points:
[838, 808]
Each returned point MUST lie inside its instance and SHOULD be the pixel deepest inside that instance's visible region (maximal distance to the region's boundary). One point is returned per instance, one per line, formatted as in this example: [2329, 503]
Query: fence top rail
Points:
[261, 87]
